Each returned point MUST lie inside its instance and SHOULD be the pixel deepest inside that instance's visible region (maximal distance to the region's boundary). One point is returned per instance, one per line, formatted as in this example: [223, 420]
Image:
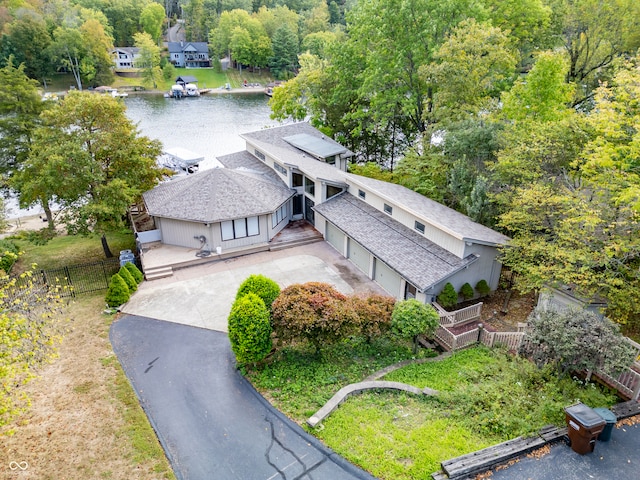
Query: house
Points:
[409, 244]
[125, 57]
[189, 54]
[220, 209]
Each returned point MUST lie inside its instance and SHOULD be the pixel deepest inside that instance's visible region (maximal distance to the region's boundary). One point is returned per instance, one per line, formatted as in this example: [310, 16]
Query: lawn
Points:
[67, 249]
[84, 420]
[486, 397]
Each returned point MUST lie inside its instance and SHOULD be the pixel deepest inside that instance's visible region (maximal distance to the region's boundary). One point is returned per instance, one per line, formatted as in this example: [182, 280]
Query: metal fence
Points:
[76, 279]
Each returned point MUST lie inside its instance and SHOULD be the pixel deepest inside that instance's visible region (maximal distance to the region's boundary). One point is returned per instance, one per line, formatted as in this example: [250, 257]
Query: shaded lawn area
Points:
[486, 397]
[64, 250]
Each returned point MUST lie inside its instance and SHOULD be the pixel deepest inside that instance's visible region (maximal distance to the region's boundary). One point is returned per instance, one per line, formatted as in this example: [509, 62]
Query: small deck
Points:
[159, 260]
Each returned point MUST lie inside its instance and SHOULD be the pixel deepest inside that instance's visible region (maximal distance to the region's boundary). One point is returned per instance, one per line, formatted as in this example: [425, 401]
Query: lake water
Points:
[209, 125]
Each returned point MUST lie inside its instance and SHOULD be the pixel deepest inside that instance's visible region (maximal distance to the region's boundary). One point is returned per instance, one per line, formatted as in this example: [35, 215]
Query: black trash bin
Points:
[610, 418]
[584, 426]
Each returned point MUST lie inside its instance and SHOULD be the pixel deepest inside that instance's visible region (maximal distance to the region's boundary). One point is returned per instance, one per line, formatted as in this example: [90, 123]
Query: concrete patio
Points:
[159, 260]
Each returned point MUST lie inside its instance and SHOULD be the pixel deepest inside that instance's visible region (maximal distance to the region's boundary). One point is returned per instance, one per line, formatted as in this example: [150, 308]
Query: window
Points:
[260, 155]
[240, 228]
[309, 186]
[388, 209]
[419, 227]
[279, 215]
[331, 160]
[296, 180]
[332, 191]
[279, 168]
[362, 194]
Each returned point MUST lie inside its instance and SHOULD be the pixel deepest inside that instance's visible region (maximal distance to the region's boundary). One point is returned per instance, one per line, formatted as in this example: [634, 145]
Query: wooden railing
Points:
[459, 317]
[636, 346]
[510, 340]
[453, 342]
[628, 382]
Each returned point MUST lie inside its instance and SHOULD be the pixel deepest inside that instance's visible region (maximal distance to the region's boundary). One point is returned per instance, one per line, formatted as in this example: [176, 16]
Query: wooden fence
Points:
[453, 342]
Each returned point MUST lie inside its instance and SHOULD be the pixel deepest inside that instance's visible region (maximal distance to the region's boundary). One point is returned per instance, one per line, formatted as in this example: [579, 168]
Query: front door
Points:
[308, 210]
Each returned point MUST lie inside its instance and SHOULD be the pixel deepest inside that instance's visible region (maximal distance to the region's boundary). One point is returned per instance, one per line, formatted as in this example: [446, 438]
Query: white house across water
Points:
[410, 245]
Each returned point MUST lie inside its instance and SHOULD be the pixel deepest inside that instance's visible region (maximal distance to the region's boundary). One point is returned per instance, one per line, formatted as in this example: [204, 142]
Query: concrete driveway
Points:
[202, 296]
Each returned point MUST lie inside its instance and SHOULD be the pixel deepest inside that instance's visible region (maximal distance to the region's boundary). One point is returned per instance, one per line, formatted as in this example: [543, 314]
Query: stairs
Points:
[295, 243]
[158, 272]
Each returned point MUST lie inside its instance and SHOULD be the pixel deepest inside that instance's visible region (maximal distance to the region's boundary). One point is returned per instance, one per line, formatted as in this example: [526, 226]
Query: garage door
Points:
[335, 238]
[387, 278]
[359, 256]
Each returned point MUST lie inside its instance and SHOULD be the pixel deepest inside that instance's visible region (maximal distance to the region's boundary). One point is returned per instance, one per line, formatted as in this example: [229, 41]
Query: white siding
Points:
[437, 236]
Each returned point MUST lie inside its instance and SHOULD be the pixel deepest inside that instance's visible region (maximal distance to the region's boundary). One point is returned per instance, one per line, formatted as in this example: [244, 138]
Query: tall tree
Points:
[152, 18]
[27, 40]
[470, 70]
[284, 62]
[20, 108]
[112, 164]
[594, 33]
[148, 59]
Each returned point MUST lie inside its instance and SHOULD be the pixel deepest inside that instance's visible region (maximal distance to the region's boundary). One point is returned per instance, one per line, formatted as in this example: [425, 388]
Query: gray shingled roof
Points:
[245, 161]
[445, 218]
[271, 141]
[216, 195]
[420, 261]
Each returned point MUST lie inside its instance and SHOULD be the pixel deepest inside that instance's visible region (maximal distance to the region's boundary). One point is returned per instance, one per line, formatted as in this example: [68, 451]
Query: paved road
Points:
[209, 419]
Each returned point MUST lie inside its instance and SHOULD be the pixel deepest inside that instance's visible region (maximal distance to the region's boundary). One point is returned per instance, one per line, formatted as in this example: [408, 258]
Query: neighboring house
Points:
[125, 57]
[409, 244]
[189, 54]
[564, 297]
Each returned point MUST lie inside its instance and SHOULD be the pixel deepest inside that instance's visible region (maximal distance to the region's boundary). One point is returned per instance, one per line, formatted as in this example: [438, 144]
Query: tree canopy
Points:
[89, 158]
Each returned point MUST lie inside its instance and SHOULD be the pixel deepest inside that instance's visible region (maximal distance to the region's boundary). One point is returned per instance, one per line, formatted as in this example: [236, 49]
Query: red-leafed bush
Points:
[313, 311]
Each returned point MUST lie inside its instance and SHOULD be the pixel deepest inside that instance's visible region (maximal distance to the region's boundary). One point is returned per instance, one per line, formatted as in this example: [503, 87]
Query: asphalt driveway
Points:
[210, 421]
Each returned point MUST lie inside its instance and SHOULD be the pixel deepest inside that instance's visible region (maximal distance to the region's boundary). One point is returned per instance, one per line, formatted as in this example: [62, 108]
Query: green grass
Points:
[69, 249]
[486, 397]
[138, 429]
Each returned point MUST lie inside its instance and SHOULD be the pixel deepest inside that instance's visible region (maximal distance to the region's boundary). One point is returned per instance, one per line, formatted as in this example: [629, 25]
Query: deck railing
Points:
[636, 346]
[628, 382]
[459, 317]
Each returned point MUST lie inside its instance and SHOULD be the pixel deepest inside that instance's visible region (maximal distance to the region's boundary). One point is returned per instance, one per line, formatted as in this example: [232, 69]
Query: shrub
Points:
[264, 287]
[128, 279]
[373, 314]
[466, 291]
[135, 272]
[411, 318]
[482, 287]
[576, 340]
[249, 329]
[118, 292]
[448, 297]
[313, 311]
[9, 252]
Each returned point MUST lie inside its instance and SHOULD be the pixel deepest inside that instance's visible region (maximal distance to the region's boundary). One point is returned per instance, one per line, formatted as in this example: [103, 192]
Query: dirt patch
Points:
[75, 427]
[504, 309]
